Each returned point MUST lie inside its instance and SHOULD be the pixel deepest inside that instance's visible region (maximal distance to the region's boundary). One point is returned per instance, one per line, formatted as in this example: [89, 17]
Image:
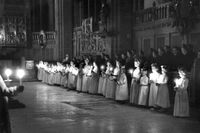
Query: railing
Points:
[50, 36]
[153, 14]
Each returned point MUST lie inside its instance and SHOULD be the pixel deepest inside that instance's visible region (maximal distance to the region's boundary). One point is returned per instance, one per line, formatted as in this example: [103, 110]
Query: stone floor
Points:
[49, 109]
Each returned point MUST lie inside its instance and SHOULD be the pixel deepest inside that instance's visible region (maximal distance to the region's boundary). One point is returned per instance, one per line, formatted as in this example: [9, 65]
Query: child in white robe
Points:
[144, 88]
[153, 91]
[163, 91]
[101, 80]
[86, 70]
[93, 87]
[134, 90]
[121, 94]
[111, 83]
[181, 103]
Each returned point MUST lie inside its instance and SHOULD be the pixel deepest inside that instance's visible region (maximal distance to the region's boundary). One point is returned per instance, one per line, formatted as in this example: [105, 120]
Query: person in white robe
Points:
[86, 70]
[79, 78]
[163, 91]
[181, 103]
[101, 79]
[134, 90]
[93, 87]
[106, 76]
[153, 78]
[66, 72]
[121, 93]
[112, 81]
[39, 69]
[144, 88]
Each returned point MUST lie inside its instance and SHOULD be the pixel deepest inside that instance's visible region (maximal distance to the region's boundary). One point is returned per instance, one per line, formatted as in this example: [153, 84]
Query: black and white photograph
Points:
[99, 66]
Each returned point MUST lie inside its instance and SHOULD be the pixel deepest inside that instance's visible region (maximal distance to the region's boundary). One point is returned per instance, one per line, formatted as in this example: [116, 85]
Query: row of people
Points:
[110, 80]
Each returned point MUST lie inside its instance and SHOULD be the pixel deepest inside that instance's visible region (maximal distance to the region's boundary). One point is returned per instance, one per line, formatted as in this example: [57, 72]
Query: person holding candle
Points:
[66, 71]
[70, 76]
[153, 78]
[121, 94]
[163, 91]
[75, 71]
[63, 75]
[144, 88]
[79, 78]
[134, 90]
[86, 70]
[39, 72]
[101, 79]
[93, 87]
[111, 84]
[58, 73]
[181, 103]
[51, 78]
[109, 70]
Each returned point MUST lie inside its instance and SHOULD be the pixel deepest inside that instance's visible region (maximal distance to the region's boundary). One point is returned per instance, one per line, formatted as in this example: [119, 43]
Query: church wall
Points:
[155, 38]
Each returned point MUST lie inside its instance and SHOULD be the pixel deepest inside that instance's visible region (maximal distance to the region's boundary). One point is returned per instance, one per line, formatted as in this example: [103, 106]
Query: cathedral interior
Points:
[71, 51]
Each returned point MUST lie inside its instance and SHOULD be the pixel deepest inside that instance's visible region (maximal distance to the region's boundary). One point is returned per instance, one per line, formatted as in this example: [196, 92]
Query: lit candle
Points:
[102, 67]
[8, 72]
[130, 71]
[20, 75]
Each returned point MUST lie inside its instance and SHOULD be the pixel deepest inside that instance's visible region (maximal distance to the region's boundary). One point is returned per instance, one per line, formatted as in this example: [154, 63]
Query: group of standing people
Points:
[134, 80]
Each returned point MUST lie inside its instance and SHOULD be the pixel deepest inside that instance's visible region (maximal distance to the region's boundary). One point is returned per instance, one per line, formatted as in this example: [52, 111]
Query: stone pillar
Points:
[63, 28]
[41, 23]
[51, 15]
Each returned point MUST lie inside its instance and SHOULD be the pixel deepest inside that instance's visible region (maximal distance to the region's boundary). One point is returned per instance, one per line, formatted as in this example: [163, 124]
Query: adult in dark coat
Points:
[5, 92]
[161, 60]
[175, 59]
[186, 60]
[167, 55]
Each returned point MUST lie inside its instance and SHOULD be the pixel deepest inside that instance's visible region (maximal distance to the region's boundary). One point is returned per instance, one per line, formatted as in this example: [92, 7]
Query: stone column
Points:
[58, 28]
[51, 15]
[63, 28]
[41, 23]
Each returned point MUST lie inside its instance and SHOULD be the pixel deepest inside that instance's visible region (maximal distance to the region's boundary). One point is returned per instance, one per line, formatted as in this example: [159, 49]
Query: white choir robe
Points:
[100, 84]
[51, 77]
[105, 80]
[70, 78]
[58, 75]
[121, 93]
[153, 77]
[111, 84]
[93, 87]
[74, 77]
[85, 86]
[143, 90]
[79, 80]
[66, 71]
[163, 92]
[134, 90]
[181, 103]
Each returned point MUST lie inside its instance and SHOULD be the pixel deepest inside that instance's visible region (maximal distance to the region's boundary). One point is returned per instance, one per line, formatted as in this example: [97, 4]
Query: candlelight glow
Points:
[8, 72]
[102, 67]
[111, 68]
[20, 73]
[130, 71]
[177, 82]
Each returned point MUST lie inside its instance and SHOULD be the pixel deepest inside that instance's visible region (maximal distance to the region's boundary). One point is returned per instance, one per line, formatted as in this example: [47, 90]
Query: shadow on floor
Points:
[15, 104]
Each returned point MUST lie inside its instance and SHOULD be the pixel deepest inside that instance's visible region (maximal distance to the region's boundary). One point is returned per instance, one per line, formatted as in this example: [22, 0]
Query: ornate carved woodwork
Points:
[13, 31]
